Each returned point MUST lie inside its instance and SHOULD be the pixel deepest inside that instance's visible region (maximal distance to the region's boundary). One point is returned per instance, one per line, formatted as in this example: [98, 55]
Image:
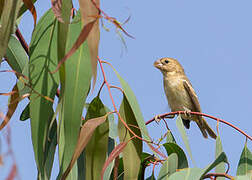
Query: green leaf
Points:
[182, 131]
[97, 147]
[75, 89]
[108, 171]
[8, 20]
[187, 174]
[132, 152]
[220, 168]
[169, 137]
[16, 55]
[43, 59]
[221, 158]
[51, 144]
[245, 162]
[174, 148]
[169, 167]
[145, 160]
[26, 113]
[131, 98]
[244, 177]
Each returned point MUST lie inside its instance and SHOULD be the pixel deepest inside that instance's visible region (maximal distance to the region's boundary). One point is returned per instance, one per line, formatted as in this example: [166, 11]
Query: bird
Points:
[181, 95]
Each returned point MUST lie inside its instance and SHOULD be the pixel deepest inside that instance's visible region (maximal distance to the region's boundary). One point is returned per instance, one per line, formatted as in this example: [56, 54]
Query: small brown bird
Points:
[181, 95]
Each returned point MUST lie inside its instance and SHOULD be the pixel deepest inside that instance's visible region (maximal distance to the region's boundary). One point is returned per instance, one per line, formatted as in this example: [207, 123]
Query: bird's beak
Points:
[158, 64]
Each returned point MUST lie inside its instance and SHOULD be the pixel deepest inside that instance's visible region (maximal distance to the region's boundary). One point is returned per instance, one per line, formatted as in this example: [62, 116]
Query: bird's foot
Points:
[157, 118]
[170, 116]
[187, 113]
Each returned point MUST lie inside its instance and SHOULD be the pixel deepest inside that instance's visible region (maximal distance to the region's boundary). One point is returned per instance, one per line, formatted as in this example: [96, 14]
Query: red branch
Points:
[162, 116]
[210, 175]
[113, 102]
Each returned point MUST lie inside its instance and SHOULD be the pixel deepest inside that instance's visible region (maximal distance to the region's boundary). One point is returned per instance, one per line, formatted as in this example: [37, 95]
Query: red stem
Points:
[201, 114]
[113, 102]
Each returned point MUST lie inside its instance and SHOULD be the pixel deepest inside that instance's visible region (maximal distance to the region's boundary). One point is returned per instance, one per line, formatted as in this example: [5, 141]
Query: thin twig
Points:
[113, 102]
[201, 114]
[210, 175]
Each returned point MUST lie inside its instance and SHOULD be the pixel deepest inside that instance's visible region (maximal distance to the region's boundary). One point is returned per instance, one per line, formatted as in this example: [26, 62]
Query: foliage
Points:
[57, 68]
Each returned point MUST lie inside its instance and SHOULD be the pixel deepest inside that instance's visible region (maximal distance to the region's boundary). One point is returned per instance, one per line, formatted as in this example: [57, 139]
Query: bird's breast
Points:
[177, 96]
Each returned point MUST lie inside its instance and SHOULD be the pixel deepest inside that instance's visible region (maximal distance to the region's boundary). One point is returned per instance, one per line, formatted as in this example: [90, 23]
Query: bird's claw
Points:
[187, 113]
[157, 118]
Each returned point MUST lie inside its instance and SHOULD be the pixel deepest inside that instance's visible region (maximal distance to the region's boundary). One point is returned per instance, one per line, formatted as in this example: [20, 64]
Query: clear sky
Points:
[211, 39]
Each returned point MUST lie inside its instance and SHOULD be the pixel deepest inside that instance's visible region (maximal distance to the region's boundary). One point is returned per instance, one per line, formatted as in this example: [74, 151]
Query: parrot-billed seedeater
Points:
[181, 95]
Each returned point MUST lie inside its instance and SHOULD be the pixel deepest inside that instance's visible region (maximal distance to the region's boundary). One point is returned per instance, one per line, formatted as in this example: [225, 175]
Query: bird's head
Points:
[168, 66]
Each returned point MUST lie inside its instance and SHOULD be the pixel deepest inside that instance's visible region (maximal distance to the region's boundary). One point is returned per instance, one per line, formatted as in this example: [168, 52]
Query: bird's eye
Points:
[166, 61]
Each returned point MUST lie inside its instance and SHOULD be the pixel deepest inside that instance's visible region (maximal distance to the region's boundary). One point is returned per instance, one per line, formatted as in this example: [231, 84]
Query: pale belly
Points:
[177, 96]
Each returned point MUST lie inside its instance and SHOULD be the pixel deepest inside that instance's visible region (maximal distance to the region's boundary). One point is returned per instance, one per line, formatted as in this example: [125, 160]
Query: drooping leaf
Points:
[221, 158]
[169, 137]
[16, 55]
[115, 153]
[131, 98]
[86, 133]
[43, 59]
[132, 152]
[174, 148]
[82, 37]
[169, 167]
[181, 129]
[108, 171]
[14, 100]
[51, 144]
[8, 20]
[245, 162]
[220, 168]
[88, 11]
[96, 150]
[75, 89]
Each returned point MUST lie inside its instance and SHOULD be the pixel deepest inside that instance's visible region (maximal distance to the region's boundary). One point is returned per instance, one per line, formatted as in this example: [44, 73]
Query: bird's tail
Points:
[205, 128]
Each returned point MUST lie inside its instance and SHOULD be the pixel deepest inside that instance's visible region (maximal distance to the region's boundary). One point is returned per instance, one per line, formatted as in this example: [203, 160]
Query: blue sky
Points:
[211, 39]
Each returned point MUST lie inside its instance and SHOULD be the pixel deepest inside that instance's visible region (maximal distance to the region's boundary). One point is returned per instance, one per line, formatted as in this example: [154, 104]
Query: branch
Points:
[162, 116]
[113, 102]
[218, 175]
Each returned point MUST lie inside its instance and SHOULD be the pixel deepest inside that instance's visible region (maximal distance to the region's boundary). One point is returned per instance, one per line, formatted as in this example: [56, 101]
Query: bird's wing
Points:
[192, 95]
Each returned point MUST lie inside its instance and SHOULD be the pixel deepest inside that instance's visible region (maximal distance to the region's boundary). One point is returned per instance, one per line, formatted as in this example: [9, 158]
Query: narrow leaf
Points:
[43, 58]
[96, 150]
[11, 107]
[86, 133]
[16, 55]
[8, 20]
[131, 98]
[220, 168]
[169, 167]
[245, 162]
[174, 148]
[75, 88]
[89, 10]
[181, 129]
[221, 158]
[132, 153]
[82, 37]
[116, 151]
